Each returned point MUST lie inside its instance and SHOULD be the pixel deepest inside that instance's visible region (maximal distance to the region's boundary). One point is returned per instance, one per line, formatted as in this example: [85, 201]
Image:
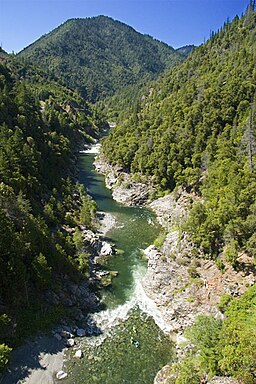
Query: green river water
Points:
[133, 345]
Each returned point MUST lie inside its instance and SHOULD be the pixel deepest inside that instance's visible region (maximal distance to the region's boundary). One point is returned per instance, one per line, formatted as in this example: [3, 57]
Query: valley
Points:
[142, 258]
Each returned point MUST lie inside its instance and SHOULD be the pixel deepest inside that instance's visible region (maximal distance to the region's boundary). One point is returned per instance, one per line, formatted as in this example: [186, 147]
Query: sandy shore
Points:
[36, 362]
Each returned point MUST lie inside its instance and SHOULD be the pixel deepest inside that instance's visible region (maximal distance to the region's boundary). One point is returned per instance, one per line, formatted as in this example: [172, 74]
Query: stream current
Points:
[133, 344]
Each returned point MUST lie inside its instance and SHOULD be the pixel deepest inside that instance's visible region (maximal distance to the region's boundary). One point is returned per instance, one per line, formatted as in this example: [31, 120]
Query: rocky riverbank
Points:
[182, 282]
[125, 188]
[41, 360]
[179, 279]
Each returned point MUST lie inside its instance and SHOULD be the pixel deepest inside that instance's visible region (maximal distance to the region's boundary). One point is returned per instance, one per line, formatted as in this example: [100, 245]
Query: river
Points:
[134, 343]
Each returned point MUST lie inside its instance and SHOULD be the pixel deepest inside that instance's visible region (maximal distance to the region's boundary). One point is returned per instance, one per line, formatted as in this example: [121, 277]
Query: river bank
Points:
[175, 290]
[124, 188]
[135, 228]
[40, 360]
[180, 280]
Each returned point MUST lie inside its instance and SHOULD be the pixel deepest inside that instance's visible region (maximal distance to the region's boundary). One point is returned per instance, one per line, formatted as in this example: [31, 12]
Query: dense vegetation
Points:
[42, 124]
[99, 56]
[124, 101]
[223, 348]
[186, 50]
[195, 128]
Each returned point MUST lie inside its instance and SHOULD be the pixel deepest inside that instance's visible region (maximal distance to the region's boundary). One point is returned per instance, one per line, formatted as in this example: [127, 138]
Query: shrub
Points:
[4, 356]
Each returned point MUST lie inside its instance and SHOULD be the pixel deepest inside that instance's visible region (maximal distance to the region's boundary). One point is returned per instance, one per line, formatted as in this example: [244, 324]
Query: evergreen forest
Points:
[99, 56]
[184, 119]
[42, 125]
[195, 128]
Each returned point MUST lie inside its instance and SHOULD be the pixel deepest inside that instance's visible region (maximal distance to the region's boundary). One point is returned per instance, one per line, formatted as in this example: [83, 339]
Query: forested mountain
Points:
[99, 56]
[3, 54]
[186, 50]
[42, 124]
[192, 128]
[195, 128]
[124, 101]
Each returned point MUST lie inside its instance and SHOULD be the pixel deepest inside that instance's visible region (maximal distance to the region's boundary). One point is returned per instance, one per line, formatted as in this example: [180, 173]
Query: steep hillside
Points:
[186, 50]
[193, 132]
[195, 128]
[3, 55]
[42, 124]
[99, 55]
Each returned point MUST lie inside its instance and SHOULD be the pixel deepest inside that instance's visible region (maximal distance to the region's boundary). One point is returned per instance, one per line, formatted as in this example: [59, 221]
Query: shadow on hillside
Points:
[28, 358]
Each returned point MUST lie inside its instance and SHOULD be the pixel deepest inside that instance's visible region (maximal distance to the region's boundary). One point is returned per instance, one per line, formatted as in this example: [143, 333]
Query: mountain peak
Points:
[100, 55]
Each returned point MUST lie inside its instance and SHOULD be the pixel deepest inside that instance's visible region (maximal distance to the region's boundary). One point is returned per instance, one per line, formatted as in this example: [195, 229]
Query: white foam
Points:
[109, 318]
[95, 148]
[148, 306]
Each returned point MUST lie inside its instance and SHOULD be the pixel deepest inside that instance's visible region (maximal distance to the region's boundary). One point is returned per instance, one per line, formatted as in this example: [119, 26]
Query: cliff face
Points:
[184, 284]
[180, 279]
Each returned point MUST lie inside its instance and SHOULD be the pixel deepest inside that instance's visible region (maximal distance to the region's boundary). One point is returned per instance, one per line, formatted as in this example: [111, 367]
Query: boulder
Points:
[67, 334]
[79, 354]
[70, 342]
[61, 375]
[152, 252]
[106, 249]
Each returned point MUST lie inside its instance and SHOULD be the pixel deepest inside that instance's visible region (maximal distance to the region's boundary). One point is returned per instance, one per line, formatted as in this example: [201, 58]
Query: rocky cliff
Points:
[180, 279]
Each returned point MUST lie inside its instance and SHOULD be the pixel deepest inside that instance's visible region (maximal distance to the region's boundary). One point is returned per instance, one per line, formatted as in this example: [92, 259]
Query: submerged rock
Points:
[80, 332]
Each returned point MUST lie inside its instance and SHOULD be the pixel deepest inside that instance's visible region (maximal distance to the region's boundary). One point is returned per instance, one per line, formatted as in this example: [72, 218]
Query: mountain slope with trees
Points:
[42, 125]
[99, 56]
[195, 128]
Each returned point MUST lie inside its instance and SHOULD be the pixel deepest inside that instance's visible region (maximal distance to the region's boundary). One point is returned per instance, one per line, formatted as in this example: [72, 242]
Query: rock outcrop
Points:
[184, 284]
[80, 298]
[179, 279]
[125, 189]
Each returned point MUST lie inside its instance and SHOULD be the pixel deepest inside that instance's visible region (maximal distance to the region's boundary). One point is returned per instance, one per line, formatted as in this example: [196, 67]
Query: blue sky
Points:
[176, 22]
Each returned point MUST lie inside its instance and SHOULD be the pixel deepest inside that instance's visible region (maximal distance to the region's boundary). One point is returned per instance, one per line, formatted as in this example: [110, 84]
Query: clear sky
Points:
[176, 22]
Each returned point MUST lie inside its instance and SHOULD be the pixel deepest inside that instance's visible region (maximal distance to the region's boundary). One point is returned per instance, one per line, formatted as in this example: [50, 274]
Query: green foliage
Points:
[186, 372]
[35, 318]
[5, 323]
[223, 348]
[83, 263]
[99, 56]
[42, 271]
[87, 211]
[224, 302]
[4, 356]
[195, 127]
[158, 242]
[42, 125]
[205, 334]
[237, 343]
[231, 251]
